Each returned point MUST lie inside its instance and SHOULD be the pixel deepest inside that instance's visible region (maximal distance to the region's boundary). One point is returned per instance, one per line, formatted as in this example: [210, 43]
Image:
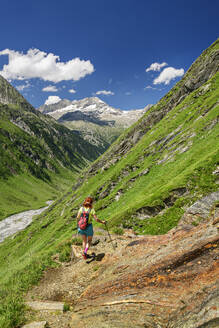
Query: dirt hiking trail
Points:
[159, 281]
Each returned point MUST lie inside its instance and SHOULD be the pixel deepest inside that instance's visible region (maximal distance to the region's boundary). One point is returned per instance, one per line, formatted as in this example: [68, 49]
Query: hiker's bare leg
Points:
[84, 238]
[89, 241]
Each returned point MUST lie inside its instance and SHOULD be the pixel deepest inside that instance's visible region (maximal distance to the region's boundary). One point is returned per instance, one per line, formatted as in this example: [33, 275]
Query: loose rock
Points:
[52, 306]
[41, 324]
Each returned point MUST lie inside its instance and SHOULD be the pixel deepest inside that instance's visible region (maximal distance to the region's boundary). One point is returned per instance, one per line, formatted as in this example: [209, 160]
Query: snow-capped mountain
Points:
[93, 118]
[92, 107]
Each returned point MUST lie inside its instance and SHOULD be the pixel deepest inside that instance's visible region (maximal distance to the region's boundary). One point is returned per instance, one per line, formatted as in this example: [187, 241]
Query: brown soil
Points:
[149, 281]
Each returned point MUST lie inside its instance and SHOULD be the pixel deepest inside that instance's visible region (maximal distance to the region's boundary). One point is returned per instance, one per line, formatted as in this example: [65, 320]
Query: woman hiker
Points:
[87, 211]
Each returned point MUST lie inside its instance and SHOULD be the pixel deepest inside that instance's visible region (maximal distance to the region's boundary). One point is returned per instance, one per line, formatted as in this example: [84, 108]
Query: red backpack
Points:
[83, 220]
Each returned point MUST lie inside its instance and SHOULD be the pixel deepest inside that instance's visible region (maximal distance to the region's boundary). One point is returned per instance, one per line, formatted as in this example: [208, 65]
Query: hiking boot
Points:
[84, 255]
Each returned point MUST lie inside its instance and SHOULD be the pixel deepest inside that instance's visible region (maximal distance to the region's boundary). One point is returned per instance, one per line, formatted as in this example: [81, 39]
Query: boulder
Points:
[76, 252]
[35, 324]
[201, 209]
[51, 306]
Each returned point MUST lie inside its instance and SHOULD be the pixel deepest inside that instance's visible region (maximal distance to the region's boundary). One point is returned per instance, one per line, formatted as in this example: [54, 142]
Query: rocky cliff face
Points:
[93, 118]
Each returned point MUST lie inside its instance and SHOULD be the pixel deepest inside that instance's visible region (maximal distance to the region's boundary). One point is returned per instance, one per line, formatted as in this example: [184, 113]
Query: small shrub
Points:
[76, 241]
[65, 254]
[196, 222]
[64, 250]
[66, 307]
[118, 231]
[99, 233]
[11, 310]
[96, 267]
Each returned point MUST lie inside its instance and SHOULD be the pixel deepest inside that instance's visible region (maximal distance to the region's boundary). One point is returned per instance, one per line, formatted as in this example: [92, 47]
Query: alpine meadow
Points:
[148, 182]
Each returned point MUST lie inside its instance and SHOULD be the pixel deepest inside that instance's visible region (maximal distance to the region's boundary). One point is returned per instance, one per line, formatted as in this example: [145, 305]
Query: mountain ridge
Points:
[93, 119]
[193, 79]
[86, 105]
[9, 95]
[37, 147]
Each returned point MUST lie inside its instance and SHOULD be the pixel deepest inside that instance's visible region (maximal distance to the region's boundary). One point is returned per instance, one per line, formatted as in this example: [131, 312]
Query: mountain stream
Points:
[17, 222]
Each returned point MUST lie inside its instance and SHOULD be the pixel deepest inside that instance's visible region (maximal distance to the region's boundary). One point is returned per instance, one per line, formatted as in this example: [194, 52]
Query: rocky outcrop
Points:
[204, 208]
[156, 281]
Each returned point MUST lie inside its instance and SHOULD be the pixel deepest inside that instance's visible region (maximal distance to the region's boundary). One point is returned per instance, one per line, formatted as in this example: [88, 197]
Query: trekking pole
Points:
[110, 236]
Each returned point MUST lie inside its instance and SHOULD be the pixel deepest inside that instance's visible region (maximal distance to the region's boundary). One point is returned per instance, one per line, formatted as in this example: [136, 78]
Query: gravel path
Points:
[17, 222]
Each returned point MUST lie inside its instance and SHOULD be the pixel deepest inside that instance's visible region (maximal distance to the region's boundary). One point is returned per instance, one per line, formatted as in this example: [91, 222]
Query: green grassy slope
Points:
[103, 136]
[10, 95]
[146, 180]
[24, 192]
[180, 152]
[204, 68]
[146, 184]
[38, 158]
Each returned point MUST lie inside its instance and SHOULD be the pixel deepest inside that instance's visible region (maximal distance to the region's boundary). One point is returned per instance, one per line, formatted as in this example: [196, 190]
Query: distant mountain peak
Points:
[88, 104]
[91, 116]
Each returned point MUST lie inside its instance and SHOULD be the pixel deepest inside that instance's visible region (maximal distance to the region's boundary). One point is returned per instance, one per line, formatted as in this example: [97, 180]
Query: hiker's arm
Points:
[78, 216]
[98, 220]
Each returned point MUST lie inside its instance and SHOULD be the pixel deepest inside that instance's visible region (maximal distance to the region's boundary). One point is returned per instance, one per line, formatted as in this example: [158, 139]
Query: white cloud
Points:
[46, 66]
[168, 74]
[156, 67]
[52, 100]
[128, 93]
[149, 87]
[105, 92]
[50, 88]
[72, 91]
[23, 86]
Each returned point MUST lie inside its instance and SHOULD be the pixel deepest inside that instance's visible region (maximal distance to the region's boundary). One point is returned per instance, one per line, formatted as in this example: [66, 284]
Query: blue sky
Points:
[76, 49]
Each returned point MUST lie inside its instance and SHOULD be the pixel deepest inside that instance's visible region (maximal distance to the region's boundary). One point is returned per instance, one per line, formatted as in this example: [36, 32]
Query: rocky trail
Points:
[65, 284]
[158, 281]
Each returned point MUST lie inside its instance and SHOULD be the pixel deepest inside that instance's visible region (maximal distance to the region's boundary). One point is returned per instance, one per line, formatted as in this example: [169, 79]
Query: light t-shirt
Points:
[91, 214]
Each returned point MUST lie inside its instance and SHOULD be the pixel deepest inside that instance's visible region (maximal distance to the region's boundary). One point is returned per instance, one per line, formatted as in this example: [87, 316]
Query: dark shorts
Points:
[88, 231]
